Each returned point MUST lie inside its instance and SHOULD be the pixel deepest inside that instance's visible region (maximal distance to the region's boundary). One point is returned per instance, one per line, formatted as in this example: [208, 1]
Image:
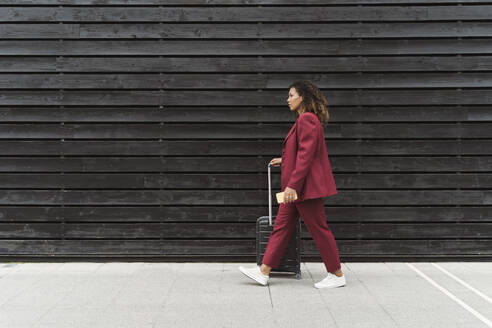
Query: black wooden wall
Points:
[143, 128]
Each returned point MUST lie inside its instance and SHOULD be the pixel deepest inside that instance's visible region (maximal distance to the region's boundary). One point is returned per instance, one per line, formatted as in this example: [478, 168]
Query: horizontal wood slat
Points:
[387, 231]
[278, 63]
[169, 247]
[443, 46]
[226, 164]
[238, 197]
[243, 114]
[237, 181]
[243, 81]
[231, 98]
[451, 214]
[242, 3]
[246, 30]
[242, 131]
[244, 14]
[242, 148]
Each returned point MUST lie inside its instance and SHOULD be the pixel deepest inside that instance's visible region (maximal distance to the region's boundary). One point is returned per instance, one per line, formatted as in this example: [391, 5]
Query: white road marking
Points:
[454, 298]
[476, 291]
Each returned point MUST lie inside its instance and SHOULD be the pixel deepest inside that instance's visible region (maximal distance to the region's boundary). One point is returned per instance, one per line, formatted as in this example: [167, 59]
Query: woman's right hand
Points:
[276, 161]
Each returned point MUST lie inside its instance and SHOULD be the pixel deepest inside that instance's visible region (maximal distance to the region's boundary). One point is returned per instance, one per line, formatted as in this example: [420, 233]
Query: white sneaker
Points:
[331, 281]
[255, 274]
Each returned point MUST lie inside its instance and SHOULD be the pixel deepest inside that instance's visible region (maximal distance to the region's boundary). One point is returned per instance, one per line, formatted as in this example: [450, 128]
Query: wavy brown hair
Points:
[313, 100]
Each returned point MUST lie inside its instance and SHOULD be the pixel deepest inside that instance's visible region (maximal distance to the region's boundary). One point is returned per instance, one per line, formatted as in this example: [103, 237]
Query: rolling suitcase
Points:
[291, 260]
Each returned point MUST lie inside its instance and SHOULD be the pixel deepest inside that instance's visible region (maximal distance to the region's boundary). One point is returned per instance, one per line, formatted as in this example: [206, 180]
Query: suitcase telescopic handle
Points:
[269, 195]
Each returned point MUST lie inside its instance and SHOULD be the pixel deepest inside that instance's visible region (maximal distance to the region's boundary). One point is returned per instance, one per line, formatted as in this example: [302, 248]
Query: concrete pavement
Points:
[149, 294]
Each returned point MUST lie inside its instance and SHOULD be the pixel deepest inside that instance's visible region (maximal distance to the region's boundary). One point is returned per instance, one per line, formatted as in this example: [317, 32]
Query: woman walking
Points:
[306, 172]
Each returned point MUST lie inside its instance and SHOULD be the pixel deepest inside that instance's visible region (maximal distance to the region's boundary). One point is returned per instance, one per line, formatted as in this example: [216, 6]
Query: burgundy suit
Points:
[305, 164]
[306, 169]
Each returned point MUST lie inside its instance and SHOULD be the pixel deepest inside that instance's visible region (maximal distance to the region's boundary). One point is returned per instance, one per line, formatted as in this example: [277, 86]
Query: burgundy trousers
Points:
[313, 214]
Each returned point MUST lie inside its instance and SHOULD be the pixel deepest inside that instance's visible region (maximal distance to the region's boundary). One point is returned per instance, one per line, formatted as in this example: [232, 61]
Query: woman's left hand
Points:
[289, 195]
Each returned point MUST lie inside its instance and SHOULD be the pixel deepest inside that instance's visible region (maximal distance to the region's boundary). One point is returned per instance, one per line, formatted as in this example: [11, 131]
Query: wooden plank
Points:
[28, 64]
[231, 98]
[245, 148]
[245, 214]
[233, 197]
[269, 64]
[39, 31]
[314, 64]
[44, 148]
[410, 113]
[238, 181]
[409, 231]
[102, 81]
[244, 114]
[168, 247]
[140, 47]
[126, 247]
[416, 164]
[244, 131]
[225, 164]
[231, 2]
[245, 30]
[235, 230]
[275, 30]
[335, 147]
[244, 81]
[405, 248]
[244, 14]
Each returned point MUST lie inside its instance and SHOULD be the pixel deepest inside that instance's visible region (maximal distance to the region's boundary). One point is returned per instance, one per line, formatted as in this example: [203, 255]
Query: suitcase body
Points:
[291, 260]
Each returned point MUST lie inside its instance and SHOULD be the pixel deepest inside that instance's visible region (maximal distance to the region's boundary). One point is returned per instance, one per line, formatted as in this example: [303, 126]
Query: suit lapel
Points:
[290, 133]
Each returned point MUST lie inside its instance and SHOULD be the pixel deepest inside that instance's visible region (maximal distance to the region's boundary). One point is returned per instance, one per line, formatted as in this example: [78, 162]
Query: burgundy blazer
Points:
[305, 164]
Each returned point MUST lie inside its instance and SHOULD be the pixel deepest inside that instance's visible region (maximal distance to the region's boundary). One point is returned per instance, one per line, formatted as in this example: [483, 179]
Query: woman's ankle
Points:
[265, 269]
